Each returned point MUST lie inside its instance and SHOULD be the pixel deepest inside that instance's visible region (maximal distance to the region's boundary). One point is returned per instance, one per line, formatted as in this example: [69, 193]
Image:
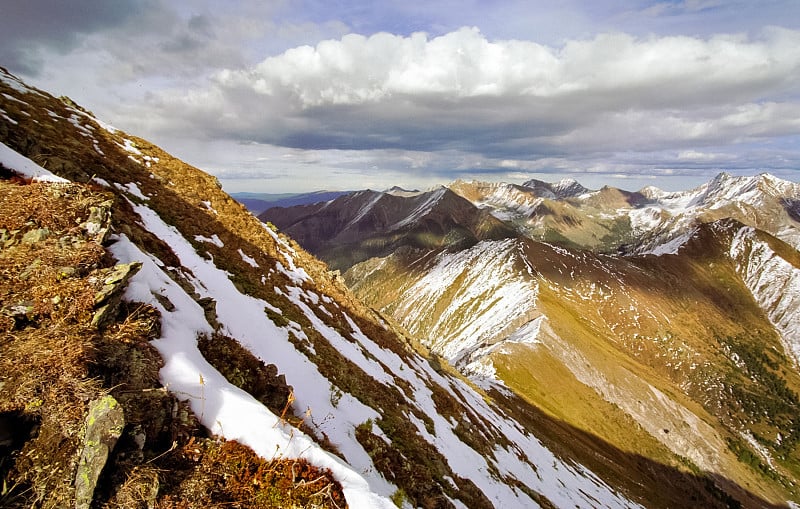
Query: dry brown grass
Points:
[44, 353]
[229, 474]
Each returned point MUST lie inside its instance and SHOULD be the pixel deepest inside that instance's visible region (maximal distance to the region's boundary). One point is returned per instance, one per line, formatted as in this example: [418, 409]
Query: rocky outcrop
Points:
[104, 423]
[107, 299]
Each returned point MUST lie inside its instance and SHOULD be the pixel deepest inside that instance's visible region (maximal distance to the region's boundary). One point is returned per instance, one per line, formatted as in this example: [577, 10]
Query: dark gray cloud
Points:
[30, 27]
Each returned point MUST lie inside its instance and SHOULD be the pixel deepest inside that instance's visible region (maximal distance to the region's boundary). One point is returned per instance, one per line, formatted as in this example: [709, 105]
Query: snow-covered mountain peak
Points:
[399, 191]
[652, 192]
[564, 188]
[568, 187]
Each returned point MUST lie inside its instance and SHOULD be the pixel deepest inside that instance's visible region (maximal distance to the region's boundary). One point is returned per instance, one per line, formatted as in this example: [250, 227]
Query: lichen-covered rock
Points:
[22, 312]
[36, 235]
[104, 423]
[97, 225]
[107, 299]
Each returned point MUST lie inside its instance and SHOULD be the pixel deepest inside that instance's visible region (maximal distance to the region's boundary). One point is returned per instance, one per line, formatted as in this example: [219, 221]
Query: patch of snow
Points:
[421, 209]
[75, 121]
[207, 205]
[101, 181]
[644, 219]
[4, 114]
[14, 99]
[108, 127]
[508, 202]
[13, 160]
[16, 84]
[250, 261]
[129, 146]
[365, 208]
[481, 366]
[494, 294]
[673, 245]
[214, 239]
[760, 449]
[132, 189]
[774, 283]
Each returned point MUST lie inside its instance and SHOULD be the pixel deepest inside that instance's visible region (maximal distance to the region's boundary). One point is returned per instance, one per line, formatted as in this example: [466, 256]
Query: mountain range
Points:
[660, 322]
[160, 346]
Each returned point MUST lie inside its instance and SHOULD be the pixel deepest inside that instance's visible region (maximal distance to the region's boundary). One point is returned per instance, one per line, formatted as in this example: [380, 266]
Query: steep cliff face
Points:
[245, 370]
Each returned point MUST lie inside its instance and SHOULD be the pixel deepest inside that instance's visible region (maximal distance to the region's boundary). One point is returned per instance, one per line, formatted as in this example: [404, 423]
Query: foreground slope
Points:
[229, 304]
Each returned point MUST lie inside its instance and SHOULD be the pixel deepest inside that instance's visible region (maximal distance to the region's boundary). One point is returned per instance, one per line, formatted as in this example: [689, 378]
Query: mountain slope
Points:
[565, 213]
[363, 224]
[225, 299]
[655, 341]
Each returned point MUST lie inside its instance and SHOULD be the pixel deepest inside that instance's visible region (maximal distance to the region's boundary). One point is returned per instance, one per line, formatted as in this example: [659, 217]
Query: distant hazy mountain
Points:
[259, 202]
[362, 224]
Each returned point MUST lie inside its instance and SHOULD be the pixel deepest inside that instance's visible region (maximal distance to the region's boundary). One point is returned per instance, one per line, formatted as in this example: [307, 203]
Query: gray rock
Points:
[103, 427]
[107, 299]
[21, 312]
[115, 280]
[34, 236]
[67, 272]
[97, 225]
[35, 264]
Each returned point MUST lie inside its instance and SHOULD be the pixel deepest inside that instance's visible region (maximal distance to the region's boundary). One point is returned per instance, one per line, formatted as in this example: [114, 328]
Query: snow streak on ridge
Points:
[494, 300]
[775, 284]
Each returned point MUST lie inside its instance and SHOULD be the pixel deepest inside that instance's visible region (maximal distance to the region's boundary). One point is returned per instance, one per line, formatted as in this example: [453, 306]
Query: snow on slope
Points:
[775, 284]
[365, 208]
[421, 209]
[673, 245]
[490, 299]
[234, 414]
[223, 408]
[756, 199]
[14, 160]
[509, 202]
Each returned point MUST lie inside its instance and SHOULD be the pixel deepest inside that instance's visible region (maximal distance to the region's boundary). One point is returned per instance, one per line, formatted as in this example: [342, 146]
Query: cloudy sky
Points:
[286, 96]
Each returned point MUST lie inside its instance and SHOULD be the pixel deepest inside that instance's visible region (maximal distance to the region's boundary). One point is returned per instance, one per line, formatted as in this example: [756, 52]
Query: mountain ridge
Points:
[435, 218]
